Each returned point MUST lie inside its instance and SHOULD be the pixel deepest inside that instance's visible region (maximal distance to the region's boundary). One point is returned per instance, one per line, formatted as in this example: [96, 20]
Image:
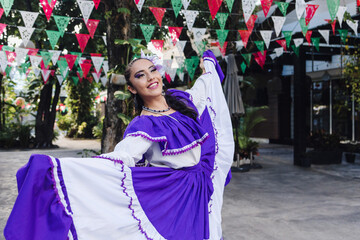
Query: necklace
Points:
[155, 111]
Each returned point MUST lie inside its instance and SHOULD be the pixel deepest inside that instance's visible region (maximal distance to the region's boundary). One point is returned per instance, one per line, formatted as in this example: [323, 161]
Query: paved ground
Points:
[278, 202]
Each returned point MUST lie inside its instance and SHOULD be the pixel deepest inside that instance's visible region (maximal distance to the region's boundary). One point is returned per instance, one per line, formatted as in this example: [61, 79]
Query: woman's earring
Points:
[163, 93]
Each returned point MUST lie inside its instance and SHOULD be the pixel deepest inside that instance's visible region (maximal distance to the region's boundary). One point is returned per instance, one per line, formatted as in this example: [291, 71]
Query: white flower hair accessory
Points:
[156, 61]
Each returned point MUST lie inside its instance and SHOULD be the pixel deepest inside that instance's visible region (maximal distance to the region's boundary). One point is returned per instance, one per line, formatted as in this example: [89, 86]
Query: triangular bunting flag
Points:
[333, 23]
[266, 4]
[158, 13]
[180, 61]
[222, 17]
[282, 43]
[201, 47]
[248, 7]
[244, 34]
[343, 35]
[78, 58]
[106, 67]
[260, 45]
[198, 33]
[7, 5]
[25, 34]
[333, 6]
[21, 54]
[3, 61]
[239, 45]
[55, 56]
[158, 44]
[214, 6]
[325, 34]
[310, 11]
[86, 8]
[287, 35]
[353, 25]
[2, 28]
[190, 16]
[296, 50]
[53, 37]
[96, 3]
[316, 42]
[1, 12]
[185, 3]
[243, 66]
[308, 36]
[63, 66]
[48, 7]
[45, 74]
[251, 23]
[175, 34]
[104, 79]
[33, 51]
[96, 75]
[304, 27]
[61, 22]
[91, 26]
[35, 61]
[75, 80]
[85, 67]
[29, 18]
[279, 51]
[229, 4]
[282, 7]
[247, 57]
[340, 14]
[278, 23]
[147, 31]
[222, 48]
[222, 35]
[260, 58]
[266, 35]
[83, 40]
[60, 79]
[104, 39]
[46, 56]
[180, 73]
[97, 61]
[70, 59]
[300, 6]
[176, 4]
[298, 41]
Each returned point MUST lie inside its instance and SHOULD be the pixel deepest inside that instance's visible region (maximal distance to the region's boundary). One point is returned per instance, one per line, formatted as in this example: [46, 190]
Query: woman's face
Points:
[145, 79]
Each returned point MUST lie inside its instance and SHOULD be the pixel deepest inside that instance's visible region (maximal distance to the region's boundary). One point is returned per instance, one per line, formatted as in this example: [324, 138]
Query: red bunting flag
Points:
[48, 8]
[158, 44]
[282, 43]
[2, 28]
[85, 67]
[96, 3]
[158, 13]
[137, 2]
[251, 22]
[358, 3]
[32, 51]
[310, 11]
[95, 54]
[260, 58]
[10, 56]
[266, 4]
[97, 73]
[308, 36]
[83, 40]
[91, 26]
[1, 12]
[223, 48]
[214, 6]
[175, 34]
[333, 23]
[70, 59]
[168, 78]
[52, 72]
[45, 74]
[42, 65]
[79, 76]
[244, 34]
[1, 47]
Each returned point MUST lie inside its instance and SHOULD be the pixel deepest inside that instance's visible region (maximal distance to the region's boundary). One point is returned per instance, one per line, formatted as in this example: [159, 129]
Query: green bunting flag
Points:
[177, 4]
[8, 70]
[296, 50]
[61, 22]
[53, 37]
[201, 46]
[24, 67]
[63, 65]
[7, 5]
[304, 27]
[196, 61]
[282, 7]
[80, 72]
[316, 42]
[222, 35]
[46, 56]
[343, 34]
[7, 48]
[76, 80]
[260, 45]
[247, 57]
[333, 6]
[78, 54]
[287, 35]
[243, 67]
[230, 4]
[180, 71]
[147, 31]
[222, 17]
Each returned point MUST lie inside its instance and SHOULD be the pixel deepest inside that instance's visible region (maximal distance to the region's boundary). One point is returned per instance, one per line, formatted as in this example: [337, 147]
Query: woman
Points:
[184, 139]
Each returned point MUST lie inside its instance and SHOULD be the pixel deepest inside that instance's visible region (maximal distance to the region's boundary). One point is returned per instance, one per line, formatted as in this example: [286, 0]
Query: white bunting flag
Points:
[45, 74]
[86, 8]
[190, 16]
[65, 72]
[300, 7]
[29, 18]
[279, 51]
[180, 75]
[82, 59]
[325, 34]
[60, 79]
[55, 54]
[198, 33]
[239, 45]
[97, 61]
[103, 81]
[104, 39]
[298, 41]
[353, 25]
[340, 14]
[139, 4]
[273, 56]
[167, 63]
[181, 45]
[266, 35]
[180, 61]
[278, 24]
[36, 71]
[186, 3]
[172, 73]
[21, 54]
[3, 61]
[248, 8]
[26, 33]
[35, 61]
[96, 76]
[105, 67]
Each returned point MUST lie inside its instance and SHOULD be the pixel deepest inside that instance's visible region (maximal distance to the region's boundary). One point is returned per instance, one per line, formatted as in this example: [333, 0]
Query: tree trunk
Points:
[118, 27]
[46, 113]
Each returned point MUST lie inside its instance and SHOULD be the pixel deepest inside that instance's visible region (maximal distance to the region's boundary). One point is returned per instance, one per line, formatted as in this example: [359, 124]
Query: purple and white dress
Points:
[178, 195]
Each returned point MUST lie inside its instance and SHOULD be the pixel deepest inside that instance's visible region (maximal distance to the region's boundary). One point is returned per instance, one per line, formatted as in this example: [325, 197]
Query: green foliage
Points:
[97, 130]
[352, 75]
[124, 11]
[122, 95]
[323, 141]
[126, 119]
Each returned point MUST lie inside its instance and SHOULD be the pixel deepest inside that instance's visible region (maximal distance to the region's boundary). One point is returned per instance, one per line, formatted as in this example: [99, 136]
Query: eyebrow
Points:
[143, 70]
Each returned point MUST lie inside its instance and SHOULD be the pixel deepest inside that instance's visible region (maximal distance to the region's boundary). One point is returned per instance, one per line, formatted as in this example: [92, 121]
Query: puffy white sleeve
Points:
[129, 151]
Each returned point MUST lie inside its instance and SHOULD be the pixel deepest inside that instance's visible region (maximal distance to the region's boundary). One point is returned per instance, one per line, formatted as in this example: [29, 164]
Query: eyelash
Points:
[141, 74]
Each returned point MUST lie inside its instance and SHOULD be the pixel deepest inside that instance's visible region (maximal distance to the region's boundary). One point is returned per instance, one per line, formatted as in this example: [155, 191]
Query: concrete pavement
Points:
[280, 201]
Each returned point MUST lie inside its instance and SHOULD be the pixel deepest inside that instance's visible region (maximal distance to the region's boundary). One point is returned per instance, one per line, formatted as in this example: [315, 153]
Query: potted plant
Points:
[351, 148]
[326, 148]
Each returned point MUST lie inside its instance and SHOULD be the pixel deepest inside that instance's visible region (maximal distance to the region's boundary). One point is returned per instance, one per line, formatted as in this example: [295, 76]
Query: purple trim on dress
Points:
[115, 160]
[62, 184]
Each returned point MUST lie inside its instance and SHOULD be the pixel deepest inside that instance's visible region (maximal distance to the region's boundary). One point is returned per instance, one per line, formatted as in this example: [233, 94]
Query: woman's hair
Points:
[171, 100]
